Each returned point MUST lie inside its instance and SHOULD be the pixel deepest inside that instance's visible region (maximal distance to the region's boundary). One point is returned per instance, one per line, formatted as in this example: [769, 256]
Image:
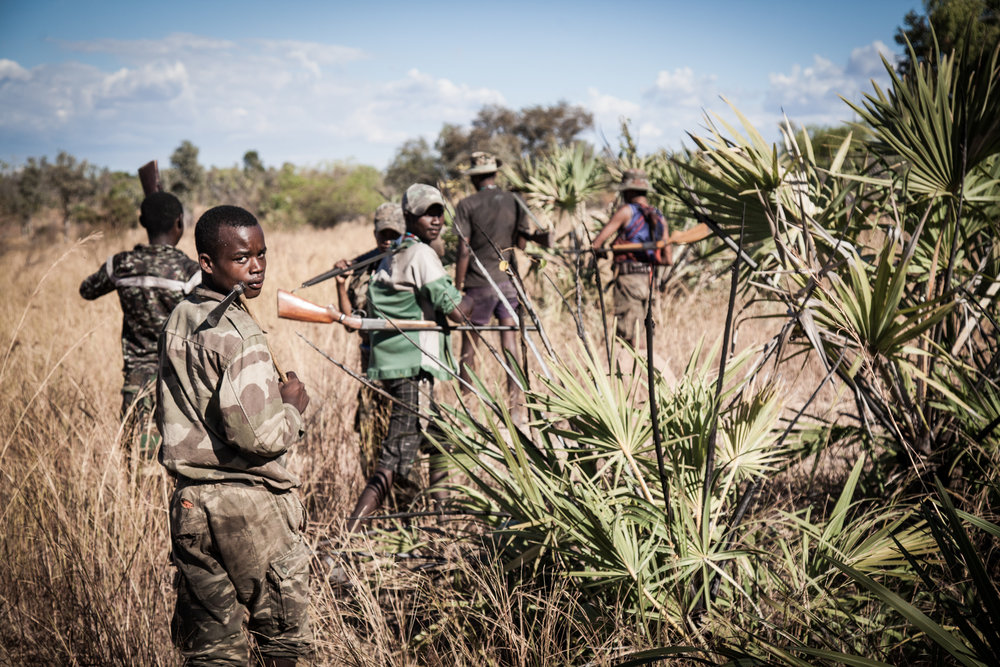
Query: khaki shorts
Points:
[631, 292]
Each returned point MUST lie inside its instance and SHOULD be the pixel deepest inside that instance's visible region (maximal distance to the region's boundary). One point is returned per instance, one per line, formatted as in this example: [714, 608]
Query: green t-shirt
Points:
[411, 284]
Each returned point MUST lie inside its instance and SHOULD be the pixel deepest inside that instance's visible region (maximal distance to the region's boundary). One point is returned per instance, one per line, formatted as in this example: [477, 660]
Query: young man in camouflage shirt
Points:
[150, 279]
[227, 422]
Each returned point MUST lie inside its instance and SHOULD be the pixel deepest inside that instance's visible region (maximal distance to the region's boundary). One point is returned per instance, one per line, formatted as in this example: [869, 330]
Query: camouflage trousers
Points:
[138, 402]
[239, 553]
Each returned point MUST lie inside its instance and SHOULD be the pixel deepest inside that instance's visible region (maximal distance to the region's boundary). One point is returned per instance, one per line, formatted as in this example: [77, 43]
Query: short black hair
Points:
[159, 211]
[206, 231]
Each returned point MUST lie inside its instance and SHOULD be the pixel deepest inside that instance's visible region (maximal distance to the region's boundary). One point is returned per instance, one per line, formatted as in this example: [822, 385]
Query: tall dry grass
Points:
[84, 564]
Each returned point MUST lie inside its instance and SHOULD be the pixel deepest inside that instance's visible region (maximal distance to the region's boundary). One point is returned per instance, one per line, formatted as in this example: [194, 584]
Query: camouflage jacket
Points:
[219, 406]
[151, 280]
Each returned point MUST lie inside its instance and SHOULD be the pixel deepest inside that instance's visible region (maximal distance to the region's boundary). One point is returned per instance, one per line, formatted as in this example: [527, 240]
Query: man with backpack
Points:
[635, 222]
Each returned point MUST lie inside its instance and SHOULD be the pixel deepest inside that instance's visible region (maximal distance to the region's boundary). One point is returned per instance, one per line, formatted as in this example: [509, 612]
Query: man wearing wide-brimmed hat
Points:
[635, 222]
[488, 220]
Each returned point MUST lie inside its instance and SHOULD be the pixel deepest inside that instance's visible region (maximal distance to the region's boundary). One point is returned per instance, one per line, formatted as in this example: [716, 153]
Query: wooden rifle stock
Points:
[696, 233]
[149, 176]
[293, 307]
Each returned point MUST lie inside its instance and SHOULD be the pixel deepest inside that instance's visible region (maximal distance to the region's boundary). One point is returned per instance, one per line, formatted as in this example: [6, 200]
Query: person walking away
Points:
[488, 220]
[635, 222]
[151, 279]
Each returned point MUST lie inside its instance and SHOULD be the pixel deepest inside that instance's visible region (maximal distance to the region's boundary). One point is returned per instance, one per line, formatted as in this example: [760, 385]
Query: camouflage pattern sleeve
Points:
[255, 418]
[96, 284]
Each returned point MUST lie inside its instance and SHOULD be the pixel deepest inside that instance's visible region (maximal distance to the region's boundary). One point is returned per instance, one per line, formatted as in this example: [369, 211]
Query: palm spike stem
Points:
[723, 356]
[600, 300]
[654, 408]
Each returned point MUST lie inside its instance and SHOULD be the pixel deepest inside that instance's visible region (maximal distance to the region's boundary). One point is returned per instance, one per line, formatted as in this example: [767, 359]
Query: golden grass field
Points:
[85, 577]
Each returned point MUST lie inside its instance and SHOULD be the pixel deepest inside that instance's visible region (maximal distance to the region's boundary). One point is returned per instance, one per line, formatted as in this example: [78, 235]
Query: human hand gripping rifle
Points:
[294, 307]
[692, 235]
[334, 272]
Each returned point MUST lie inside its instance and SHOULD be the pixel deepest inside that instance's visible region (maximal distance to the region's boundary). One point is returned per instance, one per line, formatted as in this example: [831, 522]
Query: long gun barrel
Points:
[333, 273]
[294, 307]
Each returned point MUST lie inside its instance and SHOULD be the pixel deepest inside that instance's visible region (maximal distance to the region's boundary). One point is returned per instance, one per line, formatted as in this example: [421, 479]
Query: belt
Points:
[634, 267]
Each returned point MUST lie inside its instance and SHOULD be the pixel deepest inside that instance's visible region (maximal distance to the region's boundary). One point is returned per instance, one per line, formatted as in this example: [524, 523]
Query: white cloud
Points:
[812, 94]
[12, 71]
[681, 88]
[866, 61]
[665, 110]
[298, 98]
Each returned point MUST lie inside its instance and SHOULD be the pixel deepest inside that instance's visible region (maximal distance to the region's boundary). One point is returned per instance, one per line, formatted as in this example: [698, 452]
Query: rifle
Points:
[294, 307]
[216, 315]
[149, 176]
[696, 233]
[333, 273]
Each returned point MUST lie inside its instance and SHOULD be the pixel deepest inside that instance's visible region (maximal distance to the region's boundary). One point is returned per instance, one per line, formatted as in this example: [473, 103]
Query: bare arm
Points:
[459, 315]
[620, 217]
[343, 300]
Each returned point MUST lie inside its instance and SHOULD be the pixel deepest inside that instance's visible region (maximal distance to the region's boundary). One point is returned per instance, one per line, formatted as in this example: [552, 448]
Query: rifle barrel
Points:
[333, 273]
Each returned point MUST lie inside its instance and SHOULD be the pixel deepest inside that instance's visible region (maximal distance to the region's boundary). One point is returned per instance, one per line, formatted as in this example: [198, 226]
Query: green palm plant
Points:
[960, 589]
[561, 183]
[829, 242]
[591, 509]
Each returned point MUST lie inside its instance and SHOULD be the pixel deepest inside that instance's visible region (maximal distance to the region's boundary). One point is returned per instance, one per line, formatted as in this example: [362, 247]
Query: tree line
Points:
[40, 193]
[69, 191]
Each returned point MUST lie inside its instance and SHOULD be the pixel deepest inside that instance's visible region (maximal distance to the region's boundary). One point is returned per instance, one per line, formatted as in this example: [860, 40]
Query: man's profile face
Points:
[241, 256]
[427, 227]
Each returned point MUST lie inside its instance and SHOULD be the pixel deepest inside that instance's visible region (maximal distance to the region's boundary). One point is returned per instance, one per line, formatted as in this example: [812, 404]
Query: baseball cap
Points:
[419, 197]
[390, 216]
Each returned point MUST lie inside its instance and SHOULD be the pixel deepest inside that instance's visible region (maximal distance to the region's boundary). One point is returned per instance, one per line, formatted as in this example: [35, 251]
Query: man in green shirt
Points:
[409, 284]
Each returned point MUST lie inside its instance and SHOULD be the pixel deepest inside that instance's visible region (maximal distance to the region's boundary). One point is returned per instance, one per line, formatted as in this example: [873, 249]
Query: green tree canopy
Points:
[509, 134]
[414, 162]
[190, 174]
[252, 162]
[954, 23]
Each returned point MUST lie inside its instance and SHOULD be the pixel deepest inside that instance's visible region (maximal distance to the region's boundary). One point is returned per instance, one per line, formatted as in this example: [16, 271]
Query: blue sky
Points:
[120, 83]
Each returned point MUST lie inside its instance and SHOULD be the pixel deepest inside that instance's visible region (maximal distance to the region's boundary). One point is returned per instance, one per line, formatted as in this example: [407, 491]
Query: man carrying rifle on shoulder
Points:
[150, 280]
[634, 223]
